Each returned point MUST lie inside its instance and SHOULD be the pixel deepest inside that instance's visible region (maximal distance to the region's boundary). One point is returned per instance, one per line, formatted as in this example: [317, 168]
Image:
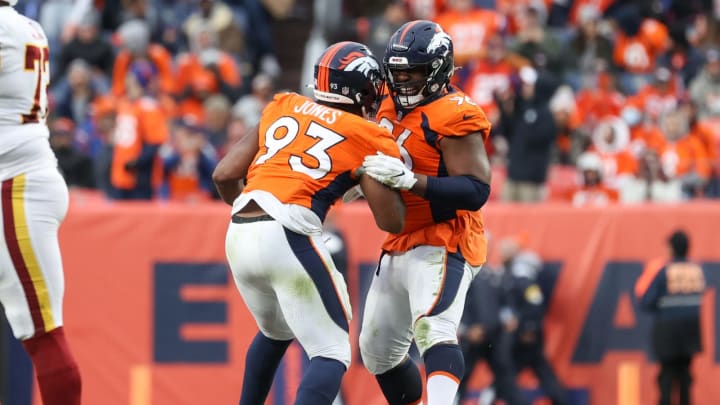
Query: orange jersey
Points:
[617, 165]
[308, 151]
[648, 136]
[419, 134]
[655, 102]
[486, 79]
[191, 73]
[637, 54]
[137, 123]
[685, 156]
[159, 57]
[470, 31]
[594, 105]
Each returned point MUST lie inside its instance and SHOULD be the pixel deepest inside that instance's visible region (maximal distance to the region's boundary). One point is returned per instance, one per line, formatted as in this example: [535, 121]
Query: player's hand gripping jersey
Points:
[418, 133]
[307, 154]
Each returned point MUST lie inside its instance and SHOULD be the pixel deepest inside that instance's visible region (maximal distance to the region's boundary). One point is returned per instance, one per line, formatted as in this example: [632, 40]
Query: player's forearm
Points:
[464, 192]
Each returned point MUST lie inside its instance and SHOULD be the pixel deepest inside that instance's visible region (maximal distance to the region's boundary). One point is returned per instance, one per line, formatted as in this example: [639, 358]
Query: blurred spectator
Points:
[638, 43]
[104, 114]
[651, 183]
[204, 71]
[74, 100]
[425, 9]
[567, 120]
[528, 124]
[75, 167]
[135, 39]
[217, 113]
[592, 50]
[705, 88]
[375, 31]
[611, 142]
[492, 74]
[658, 97]
[140, 130]
[249, 107]
[530, 305]
[591, 191]
[89, 46]
[469, 27]
[235, 131]
[684, 156]
[682, 58]
[599, 100]
[189, 165]
[672, 292]
[644, 133]
[538, 44]
[220, 18]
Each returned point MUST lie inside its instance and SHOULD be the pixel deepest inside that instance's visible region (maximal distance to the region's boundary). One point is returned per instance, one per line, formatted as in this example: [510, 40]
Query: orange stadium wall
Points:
[154, 318]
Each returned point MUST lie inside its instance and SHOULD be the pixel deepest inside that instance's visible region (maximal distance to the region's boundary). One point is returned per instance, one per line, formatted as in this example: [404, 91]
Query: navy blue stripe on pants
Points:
[314, 265]
[454, 271]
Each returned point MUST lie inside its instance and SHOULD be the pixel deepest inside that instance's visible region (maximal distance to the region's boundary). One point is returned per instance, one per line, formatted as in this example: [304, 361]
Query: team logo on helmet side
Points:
[358, 61]
[440, 39]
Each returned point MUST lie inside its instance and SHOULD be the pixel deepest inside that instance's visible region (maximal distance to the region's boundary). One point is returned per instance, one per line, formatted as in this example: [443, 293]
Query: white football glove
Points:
[389, 171]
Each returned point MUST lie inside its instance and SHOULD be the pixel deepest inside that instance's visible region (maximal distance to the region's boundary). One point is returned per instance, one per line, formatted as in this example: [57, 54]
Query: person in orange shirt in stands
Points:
[639, 42]
[135, 38]
[684, 156]
[204, 71]
[492, 73]
[140, 130]
[188, 168]
[469, 27]
[659, 97]
[611, 141]
[592, 191]
[644, 133]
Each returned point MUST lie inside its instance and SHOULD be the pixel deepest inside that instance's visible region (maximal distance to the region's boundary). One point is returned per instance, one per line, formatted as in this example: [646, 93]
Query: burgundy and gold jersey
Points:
[418, 133]
[308, 151]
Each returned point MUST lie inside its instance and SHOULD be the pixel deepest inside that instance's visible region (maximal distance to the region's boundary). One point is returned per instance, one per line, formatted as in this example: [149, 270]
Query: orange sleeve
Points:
[184, 72]
[652, 268]
[120, 68]
[459, 118]
[229, 71]
[163, 60]
[154, 123]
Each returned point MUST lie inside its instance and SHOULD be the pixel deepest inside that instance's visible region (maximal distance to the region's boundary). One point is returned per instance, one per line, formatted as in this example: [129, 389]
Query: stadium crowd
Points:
[592, 101]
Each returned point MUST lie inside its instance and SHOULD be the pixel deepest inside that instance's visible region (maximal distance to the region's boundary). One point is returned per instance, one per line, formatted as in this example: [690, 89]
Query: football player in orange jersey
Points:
[33, 204]
[295, 165]
[420, 286]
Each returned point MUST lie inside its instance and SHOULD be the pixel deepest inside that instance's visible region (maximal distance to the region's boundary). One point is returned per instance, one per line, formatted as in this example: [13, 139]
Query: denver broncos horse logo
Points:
[358, 61]
[439, 39]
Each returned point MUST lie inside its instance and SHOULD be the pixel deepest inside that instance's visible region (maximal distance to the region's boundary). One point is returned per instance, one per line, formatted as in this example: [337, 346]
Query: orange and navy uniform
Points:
[308, 152]
[191, 73]
[138, 123]
[158, 56]
[419, 133]
[470, 31]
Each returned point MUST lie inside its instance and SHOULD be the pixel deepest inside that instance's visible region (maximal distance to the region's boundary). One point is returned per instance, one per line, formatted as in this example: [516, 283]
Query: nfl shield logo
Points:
[345, 90]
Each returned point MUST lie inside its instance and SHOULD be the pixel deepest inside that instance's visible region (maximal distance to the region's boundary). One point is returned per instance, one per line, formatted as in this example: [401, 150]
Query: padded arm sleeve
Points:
[464, 192]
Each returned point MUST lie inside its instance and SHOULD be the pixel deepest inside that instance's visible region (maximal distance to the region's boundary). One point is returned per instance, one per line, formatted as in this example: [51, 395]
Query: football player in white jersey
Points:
[33, 203]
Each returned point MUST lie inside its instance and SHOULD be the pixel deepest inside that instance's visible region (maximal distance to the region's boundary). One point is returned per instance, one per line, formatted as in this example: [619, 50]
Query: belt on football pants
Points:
[246, 220]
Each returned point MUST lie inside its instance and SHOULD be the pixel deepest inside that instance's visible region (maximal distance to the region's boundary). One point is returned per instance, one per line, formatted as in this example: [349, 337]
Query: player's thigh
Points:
[386, 332]
[313, 297]
[251, 263]
[31, 274]
[437, 288]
